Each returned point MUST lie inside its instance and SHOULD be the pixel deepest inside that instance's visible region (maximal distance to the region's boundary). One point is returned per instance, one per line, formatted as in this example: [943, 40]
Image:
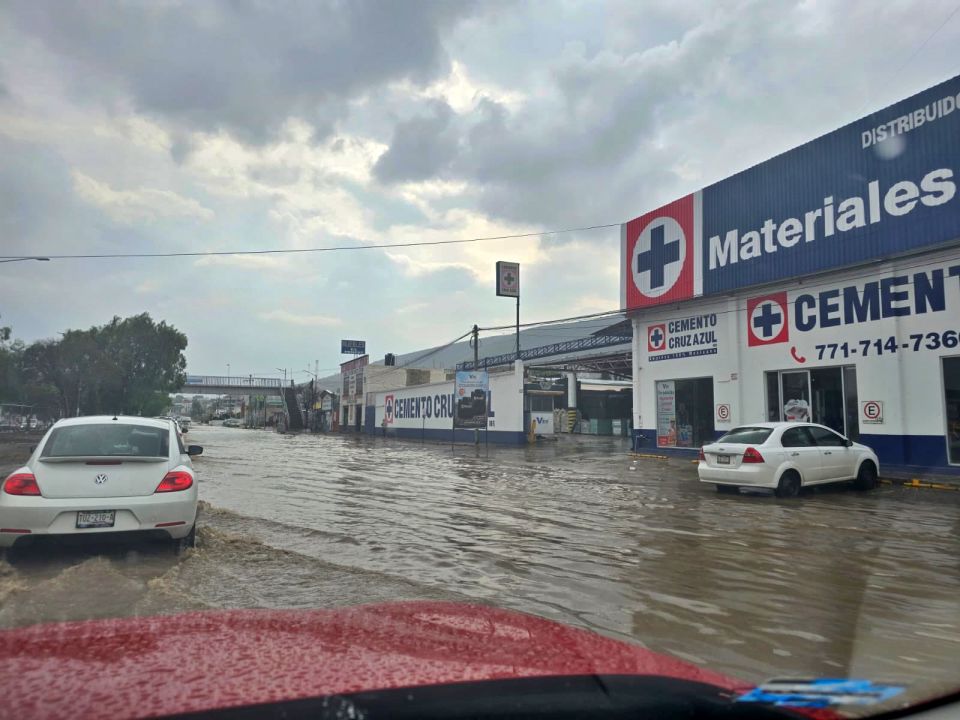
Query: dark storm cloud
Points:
[35, 194]
[242, 66]
[422, 147]
[597, 128]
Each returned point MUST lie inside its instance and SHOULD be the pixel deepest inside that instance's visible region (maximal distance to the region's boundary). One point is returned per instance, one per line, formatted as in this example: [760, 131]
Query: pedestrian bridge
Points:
[231, 385]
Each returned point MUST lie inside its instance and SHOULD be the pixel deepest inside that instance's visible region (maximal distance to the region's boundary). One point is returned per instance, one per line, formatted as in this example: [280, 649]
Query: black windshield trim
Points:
[611, 697]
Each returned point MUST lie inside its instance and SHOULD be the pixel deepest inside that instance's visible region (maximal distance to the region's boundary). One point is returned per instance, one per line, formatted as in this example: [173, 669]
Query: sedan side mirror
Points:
[848, 442]
[194, 450]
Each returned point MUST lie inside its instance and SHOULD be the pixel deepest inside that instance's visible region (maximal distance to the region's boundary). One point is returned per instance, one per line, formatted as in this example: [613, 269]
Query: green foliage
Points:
[126, 366]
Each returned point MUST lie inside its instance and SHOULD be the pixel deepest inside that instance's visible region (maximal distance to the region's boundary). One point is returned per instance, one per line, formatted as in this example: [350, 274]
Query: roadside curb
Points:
[920, 484]
[648, 456]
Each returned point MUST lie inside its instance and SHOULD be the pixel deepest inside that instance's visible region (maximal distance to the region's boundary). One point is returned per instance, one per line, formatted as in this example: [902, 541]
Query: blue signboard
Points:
[884, 185]
[353, 347]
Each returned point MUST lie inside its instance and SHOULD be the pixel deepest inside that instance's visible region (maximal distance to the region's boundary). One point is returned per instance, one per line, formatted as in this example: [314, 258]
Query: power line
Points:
[330, 248]
[909, 59]
[708, 298]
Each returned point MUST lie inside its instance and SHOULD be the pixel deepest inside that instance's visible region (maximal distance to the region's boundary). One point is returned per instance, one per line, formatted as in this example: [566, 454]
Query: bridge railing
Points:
[235, 381]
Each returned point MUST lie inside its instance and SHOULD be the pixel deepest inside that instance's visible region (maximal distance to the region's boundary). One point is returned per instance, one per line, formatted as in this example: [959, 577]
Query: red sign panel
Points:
[659, 254]
[767, 320]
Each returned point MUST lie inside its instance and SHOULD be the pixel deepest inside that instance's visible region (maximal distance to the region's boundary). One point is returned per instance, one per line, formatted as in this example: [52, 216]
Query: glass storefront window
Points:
[795, 396]
[823, 395]
[685, 412]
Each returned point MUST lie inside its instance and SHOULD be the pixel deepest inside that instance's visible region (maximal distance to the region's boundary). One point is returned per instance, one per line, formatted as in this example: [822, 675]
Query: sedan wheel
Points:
[866, 477]
[789, 485]
[190, 541]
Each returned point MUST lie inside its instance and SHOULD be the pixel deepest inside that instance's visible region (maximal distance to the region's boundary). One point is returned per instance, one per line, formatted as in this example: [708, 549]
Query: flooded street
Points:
[837, 583]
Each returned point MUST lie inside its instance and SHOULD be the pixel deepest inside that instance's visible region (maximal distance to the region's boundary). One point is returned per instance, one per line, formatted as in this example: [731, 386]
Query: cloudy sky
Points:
[172, 126]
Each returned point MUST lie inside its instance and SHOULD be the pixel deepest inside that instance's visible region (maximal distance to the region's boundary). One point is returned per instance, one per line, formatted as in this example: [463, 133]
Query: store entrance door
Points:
[825, 395]
[951, 398]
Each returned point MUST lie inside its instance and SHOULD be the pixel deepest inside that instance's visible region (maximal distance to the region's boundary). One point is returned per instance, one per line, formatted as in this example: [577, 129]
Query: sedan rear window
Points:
[107, 440]
[747, 435]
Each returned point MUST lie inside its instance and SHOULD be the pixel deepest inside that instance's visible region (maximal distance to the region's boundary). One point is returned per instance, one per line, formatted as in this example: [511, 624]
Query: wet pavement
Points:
[835, 583]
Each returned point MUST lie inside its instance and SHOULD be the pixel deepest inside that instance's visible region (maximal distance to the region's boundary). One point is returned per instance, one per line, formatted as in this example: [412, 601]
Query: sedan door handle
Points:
[827, 452]
[794, 454]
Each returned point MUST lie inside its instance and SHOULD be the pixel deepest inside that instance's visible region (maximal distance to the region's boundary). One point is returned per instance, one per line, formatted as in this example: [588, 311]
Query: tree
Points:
[127, 366]
[144, 359]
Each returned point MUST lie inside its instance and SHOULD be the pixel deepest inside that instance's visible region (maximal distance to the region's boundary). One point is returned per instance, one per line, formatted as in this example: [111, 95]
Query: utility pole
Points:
[518, 326]
[476, 368]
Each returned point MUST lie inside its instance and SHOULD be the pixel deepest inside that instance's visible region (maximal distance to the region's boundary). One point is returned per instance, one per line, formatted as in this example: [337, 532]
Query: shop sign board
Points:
[666, 413]
[471, 389]
[845, 321]
[685, 337]
[882, 186]
[871, 412]
[353, 347]
[543, 422]
[431, 408]
[508, 279]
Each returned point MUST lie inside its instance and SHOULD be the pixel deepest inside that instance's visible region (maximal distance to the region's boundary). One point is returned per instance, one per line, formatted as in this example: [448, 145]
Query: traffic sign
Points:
[872, 412]
[723, 413]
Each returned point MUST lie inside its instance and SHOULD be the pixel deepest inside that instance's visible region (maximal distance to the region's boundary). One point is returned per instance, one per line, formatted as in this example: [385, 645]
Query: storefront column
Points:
[635, 362]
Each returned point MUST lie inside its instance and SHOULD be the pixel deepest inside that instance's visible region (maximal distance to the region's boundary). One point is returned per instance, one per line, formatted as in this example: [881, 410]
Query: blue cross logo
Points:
[659, 256]
[767, 319]
[656, 337]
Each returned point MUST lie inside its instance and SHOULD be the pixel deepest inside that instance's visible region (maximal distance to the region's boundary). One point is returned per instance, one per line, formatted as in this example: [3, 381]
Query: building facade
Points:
[822, 284]
[352, 391]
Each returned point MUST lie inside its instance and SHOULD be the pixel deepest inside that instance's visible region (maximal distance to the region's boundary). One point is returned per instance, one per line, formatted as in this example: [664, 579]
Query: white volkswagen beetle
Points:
[110, 475]
[785, 456]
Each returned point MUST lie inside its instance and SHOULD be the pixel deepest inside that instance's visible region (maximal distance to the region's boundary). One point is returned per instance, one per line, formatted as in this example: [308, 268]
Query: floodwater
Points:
[835, 583]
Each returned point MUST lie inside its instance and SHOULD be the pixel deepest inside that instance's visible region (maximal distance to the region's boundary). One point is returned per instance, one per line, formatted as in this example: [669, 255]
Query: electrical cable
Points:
[331, 248]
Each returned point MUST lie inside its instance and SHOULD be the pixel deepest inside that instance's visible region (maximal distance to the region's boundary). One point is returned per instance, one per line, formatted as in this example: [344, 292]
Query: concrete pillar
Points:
[571, 390]
[635, 363]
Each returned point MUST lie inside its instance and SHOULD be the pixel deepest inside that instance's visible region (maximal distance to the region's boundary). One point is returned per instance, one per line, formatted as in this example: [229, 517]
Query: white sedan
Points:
[785, 456]
[103, 475]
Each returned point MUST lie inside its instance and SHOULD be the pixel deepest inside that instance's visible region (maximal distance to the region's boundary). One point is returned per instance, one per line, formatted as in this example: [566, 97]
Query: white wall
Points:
[721, 366]
[431, 406]
[907, 382]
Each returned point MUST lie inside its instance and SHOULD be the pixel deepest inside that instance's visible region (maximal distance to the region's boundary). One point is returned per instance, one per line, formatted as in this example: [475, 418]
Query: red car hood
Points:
[137, 667]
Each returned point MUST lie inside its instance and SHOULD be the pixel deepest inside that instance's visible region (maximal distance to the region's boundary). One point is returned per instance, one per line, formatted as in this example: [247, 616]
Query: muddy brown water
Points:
[835, 583]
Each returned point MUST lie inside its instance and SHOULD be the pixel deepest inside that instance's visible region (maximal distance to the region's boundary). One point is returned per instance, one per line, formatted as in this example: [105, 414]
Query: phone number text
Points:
[918, 341]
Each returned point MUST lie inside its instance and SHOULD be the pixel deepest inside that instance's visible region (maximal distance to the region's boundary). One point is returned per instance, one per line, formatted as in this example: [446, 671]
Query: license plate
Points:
[96, 518]
[723, 459]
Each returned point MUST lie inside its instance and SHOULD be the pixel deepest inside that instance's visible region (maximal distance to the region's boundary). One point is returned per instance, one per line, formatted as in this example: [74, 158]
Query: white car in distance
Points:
[785, 456]
[106, 475]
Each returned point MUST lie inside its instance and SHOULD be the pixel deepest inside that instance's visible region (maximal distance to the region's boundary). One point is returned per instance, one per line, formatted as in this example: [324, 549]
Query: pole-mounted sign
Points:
[508, 285]
[508, 279]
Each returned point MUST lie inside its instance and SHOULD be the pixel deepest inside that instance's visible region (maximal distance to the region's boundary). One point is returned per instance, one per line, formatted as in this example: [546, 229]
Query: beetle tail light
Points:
[24, 483]
[174, 481]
